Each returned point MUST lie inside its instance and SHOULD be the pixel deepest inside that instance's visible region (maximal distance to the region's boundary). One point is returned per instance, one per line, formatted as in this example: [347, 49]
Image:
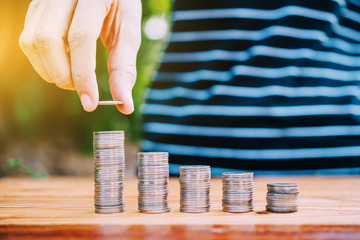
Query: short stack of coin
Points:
[153, 186]
[195, 188]
[238, 191]
[109, 171]
[282, 197]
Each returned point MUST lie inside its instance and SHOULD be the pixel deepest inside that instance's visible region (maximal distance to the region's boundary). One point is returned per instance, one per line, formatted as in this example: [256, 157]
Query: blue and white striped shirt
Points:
[259, 85]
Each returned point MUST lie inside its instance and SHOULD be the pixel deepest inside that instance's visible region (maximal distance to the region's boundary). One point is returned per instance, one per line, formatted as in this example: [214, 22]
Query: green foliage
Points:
[16, 163]
[157, 7]
[28, 107]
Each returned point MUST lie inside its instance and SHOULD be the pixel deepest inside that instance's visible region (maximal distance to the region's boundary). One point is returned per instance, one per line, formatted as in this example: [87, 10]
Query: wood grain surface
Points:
[62, 207]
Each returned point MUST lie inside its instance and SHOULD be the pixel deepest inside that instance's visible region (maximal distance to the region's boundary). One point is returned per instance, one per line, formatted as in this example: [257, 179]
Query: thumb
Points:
[123, 45]
[122, 81]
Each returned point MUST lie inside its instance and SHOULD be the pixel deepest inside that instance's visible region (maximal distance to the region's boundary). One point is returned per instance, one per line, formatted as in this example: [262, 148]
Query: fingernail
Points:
[86, 102]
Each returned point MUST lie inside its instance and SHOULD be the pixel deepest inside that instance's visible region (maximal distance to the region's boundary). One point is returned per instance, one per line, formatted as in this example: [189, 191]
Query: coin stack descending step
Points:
[238, 191]
[195, 189]
[109, 171]
[282, 197]
[153, 186]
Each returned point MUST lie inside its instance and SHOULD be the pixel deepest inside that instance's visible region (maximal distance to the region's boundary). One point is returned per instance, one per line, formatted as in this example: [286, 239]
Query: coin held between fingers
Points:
[107, 103]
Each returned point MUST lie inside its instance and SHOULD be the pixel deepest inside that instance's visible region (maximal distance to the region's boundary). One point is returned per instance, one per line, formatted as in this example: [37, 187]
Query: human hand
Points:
[55, 27]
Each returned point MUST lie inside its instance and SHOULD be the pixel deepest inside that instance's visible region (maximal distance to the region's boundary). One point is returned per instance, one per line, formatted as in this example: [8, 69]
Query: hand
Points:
[55, 27]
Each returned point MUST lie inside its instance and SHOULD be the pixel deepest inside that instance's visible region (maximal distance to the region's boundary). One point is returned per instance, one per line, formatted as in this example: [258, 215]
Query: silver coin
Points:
[283, 187]
[109, 171]
[153, 182]
[195, 188]
[110, 102]
[282, 197]
[238, 191]
[281, 209]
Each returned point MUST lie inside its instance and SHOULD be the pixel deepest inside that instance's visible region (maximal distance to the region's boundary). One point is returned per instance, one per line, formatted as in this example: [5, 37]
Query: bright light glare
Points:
[156, 27]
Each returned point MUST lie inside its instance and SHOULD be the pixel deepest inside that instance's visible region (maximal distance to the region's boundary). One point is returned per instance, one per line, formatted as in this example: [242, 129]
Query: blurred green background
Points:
[44, 127]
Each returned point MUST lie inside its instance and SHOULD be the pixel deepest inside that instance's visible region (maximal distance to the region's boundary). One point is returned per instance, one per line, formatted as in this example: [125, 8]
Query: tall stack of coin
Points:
[153, 186]
[282, 197]
[238, 191]
[195, 188]
[109, 172]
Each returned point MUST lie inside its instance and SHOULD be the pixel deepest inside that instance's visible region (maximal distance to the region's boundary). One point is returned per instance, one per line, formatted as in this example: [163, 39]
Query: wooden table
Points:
[62, 208]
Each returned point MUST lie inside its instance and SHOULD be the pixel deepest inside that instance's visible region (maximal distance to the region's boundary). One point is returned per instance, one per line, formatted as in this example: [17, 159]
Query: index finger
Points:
[84, 31]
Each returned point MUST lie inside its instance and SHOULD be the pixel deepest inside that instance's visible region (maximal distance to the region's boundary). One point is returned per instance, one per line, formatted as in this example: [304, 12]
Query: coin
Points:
[109, 171]
[282, 197]
[238, 191]
[110, 102]
[195, 188]
[153, 185]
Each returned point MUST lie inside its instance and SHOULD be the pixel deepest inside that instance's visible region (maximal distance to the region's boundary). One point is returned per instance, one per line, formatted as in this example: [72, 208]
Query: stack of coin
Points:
[282, 197]
[238, 191]
[153, 186]
[195, 188]
[109, 171]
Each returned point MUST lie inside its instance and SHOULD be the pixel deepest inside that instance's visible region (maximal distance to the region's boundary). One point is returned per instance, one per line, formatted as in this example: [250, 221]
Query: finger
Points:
[50, 44]
[122, 56]
[122, 69]
[84, 31]
[27, 38]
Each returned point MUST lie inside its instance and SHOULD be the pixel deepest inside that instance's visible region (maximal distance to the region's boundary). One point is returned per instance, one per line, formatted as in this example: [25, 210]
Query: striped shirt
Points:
[259, 85]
